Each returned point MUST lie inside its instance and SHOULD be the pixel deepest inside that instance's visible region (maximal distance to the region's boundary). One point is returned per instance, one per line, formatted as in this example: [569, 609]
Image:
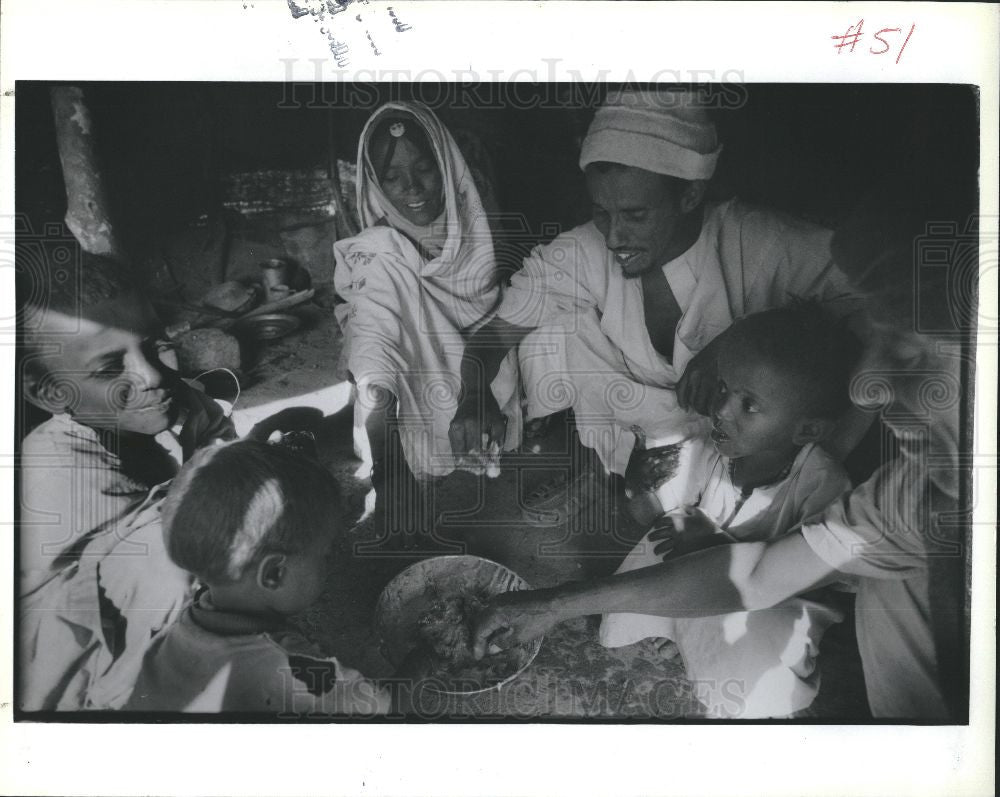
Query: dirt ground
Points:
[573, 676]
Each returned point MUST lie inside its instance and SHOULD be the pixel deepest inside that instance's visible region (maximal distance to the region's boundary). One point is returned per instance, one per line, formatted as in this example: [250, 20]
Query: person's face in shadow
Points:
[110, 370]
[911, 370]
[411, 181]
[915, 380]
[638, 213]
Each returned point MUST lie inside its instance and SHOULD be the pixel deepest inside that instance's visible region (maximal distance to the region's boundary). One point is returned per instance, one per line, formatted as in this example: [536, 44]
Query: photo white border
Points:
[241, 40]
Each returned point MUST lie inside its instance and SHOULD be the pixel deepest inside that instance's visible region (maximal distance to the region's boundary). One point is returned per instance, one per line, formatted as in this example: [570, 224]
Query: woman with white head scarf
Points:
[418, 277]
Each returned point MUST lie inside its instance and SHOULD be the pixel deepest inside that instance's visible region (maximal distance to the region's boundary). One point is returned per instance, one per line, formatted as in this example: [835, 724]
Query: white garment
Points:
[665, 132]
[406, 316]
[744, 664]
[590, 350]
[72, 488]
[884, 532]
[88, 531]
[66, 661]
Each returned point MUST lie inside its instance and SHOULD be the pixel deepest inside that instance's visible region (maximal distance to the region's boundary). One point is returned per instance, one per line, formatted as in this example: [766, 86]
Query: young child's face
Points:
[758, 407]
[306, 575]
[111, 371]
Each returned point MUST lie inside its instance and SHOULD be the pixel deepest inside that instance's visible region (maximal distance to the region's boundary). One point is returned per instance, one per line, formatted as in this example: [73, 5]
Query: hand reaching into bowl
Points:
[513, 618]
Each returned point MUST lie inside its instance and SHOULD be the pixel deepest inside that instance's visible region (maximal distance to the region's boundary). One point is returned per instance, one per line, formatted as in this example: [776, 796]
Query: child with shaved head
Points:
[256, 524]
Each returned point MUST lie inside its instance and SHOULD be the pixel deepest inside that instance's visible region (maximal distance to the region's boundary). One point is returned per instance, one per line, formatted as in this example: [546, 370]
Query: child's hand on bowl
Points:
[420, 663]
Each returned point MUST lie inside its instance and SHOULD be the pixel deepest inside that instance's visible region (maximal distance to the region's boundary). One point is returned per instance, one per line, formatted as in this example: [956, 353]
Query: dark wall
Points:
[811, 149]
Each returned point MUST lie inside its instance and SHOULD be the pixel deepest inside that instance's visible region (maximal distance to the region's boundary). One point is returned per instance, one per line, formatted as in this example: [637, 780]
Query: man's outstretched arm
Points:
[727, 578]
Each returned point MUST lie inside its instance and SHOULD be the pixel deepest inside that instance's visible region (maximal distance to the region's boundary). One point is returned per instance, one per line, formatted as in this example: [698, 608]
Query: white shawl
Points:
[407, 313]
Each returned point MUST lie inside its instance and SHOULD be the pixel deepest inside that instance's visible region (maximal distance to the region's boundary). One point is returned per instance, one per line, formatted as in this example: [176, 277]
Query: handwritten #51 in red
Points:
[881, 45]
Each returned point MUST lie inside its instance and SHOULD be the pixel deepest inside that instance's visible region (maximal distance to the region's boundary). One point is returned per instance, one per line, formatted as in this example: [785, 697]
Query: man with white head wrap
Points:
[656, 251]
[666, 133]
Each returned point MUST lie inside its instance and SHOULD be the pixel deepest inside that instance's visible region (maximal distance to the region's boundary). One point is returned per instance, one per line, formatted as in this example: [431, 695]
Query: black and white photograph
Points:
[382, 406]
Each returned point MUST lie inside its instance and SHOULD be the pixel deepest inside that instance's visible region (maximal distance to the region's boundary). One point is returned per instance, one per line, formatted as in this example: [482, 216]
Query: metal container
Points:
[411, 593]
[274, 272]
[266, 326]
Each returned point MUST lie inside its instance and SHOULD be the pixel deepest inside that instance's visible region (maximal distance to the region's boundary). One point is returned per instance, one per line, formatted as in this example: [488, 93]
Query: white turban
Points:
[666, 132]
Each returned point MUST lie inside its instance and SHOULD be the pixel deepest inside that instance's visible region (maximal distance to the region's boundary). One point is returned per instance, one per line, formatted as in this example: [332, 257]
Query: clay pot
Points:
[200, 350]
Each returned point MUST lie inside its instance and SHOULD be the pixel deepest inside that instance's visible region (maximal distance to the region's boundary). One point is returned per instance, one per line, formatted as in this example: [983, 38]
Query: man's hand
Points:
[679, 534]
[698, 385]
[664, 533]
[513, 618]
[648, 469]
[478, 424]
[696, 523]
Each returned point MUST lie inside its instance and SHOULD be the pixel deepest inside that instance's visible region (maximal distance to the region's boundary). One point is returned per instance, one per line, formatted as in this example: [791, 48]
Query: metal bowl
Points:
[267, 326]
[411, 593]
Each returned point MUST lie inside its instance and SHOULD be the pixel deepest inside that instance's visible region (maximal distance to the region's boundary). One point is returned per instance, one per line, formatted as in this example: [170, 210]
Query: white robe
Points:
[885, 533]
[86, 529]
[590, 350]
[407, 313]
[743, 664]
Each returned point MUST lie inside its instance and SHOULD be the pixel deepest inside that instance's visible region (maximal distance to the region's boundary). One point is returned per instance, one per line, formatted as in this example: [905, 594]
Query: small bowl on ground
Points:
[414, 591]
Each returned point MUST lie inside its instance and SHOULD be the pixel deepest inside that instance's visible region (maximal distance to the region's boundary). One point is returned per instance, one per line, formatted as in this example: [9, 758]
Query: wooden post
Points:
[345, 225]
[86, 201]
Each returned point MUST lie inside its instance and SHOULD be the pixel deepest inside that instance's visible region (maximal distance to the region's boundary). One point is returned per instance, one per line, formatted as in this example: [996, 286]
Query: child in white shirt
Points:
[783, 381]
